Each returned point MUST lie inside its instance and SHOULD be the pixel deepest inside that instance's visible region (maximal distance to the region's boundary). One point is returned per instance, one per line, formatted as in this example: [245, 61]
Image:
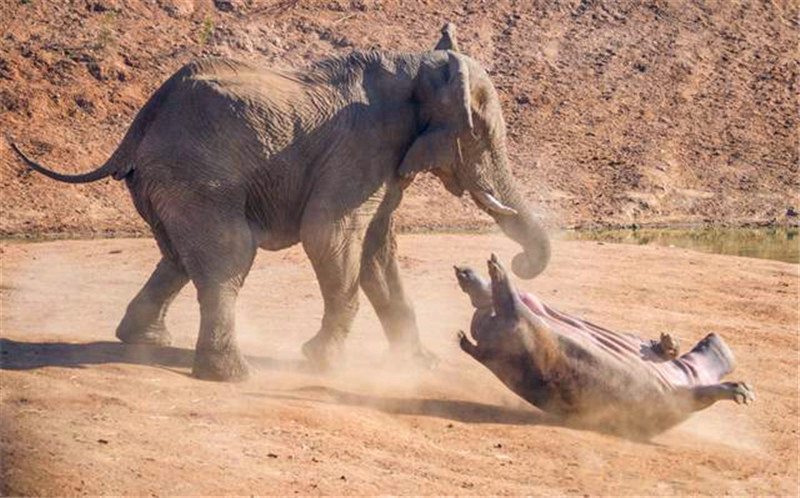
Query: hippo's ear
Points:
[504, 297]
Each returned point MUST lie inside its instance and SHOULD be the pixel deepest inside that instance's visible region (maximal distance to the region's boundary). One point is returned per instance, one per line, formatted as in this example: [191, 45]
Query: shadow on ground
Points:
[468, 412]
[15, 355]
[460, 411]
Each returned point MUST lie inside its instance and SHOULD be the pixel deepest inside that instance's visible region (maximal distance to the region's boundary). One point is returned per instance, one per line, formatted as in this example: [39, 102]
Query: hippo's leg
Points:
[704, 396]
[467, 346]
[505, 299]
[511, 315]
[710, 360]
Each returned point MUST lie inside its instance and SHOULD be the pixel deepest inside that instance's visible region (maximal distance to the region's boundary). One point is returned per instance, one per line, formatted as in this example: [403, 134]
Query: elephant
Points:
[227, 157]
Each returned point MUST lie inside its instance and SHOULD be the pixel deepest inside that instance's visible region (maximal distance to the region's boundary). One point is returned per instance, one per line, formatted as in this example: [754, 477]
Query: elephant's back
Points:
[242, 80]
[220, 133]
[223, 111]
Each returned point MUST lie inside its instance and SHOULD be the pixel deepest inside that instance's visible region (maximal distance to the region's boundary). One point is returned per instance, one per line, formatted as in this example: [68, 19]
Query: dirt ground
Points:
[84, 414]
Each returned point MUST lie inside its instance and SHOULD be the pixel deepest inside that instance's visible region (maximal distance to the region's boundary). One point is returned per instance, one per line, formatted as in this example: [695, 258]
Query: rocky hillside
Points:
[618, 112]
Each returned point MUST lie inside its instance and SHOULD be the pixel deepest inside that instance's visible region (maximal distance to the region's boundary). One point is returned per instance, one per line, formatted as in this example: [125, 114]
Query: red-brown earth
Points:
[657, 112]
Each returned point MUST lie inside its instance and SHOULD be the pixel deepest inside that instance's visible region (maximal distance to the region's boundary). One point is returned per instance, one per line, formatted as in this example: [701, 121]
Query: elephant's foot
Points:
[155, 334]
[228, 365]
[324, 352]
[416, 355]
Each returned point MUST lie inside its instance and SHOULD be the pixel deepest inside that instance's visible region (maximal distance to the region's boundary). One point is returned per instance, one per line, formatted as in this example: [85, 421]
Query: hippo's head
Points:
[511, 339]
[499, 325]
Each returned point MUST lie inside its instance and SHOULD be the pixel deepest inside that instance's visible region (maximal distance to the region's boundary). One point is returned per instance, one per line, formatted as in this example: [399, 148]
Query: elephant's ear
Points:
[430, 150]
[448, 39]
[436, 146]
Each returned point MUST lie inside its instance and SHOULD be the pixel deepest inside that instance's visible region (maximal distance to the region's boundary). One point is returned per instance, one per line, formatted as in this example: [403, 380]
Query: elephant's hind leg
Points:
[217, 249]
[143, 322]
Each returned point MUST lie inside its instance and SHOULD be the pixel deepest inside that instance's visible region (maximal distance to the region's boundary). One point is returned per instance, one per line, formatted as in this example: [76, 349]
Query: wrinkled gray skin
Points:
[577, 381]
[226, 157]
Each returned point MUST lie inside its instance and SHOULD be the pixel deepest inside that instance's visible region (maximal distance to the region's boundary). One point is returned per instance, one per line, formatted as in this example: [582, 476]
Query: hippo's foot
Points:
[467, 346]
[324, 352]
[155, 334]
[742, 393]
[228, 365]
[739, 392]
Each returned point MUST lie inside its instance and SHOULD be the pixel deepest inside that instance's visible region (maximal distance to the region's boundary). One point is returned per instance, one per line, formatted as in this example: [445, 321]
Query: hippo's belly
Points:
[626, 350]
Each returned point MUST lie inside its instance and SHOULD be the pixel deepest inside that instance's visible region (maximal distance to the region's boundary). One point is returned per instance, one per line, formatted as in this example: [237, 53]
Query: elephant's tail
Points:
[111, 167]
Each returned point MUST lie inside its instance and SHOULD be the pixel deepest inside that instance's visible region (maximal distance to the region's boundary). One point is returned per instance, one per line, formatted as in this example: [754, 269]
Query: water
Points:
[781, 244]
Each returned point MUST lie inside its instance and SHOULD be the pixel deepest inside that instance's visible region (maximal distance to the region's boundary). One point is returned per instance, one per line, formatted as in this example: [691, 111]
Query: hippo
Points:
[584, 374]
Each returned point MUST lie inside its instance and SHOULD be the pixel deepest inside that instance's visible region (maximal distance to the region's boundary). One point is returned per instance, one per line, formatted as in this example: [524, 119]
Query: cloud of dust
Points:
[274, 327]
[720, 427]
[51, 292]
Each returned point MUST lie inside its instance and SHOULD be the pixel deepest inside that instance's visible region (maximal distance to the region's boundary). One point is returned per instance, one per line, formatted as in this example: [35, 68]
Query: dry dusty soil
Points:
[657, 112]
[84, 414]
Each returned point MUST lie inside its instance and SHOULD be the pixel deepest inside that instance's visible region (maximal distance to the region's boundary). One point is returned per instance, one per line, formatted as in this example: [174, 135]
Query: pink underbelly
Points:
[625, 348]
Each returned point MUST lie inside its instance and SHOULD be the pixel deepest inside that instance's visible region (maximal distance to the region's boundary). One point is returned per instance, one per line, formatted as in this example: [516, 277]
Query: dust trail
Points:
[719, 427]
[273, 327]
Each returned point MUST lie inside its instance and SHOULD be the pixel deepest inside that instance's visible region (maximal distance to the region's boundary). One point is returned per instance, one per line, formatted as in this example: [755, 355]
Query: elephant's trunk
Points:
[526, 231]
[517, 221]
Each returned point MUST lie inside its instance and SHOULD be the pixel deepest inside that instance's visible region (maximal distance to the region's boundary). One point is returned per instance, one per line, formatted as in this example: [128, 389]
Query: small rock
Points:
[178, 8]
[224, 5]
[791, 212]
[99, 6]
[102, 441]
[272, 455]
[85, 104]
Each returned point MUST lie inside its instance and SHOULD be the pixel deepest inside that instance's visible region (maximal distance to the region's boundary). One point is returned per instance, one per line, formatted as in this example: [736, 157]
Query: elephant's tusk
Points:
[491, 204]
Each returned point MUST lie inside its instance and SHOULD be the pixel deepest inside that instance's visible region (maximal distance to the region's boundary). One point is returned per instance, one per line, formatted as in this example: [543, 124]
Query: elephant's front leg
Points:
[334, 250]
[380, 279]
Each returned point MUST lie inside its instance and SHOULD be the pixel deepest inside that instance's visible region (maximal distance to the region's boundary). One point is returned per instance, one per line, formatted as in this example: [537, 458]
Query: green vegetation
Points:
[207, 31]
[106, 35]
[781, 244]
